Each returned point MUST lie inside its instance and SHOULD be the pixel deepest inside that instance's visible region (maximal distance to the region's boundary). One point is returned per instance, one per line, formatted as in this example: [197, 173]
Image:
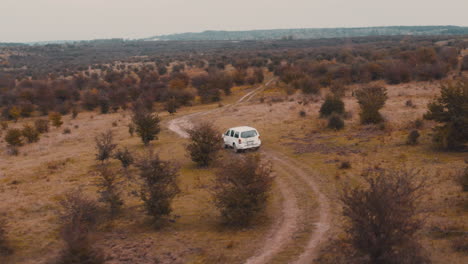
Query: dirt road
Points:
[281, 232]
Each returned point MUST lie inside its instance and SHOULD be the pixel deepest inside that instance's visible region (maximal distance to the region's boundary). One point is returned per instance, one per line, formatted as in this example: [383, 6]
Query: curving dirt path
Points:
[284, 227]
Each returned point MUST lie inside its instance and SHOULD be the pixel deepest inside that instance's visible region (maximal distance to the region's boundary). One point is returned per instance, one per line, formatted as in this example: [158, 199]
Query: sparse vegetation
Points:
[125, 157]
[109, 183]
[371, 99]
[30, 133]
[204, 144]
[451, 110]
[382, 218]
[159, 185]
[413, 137]
[14, 137]
[146, 125]
[332, 104]
[41, 125]
[56, 119]
[335, 122]
[104, 145]
[5, 248]
[241, 189]
[78, 217]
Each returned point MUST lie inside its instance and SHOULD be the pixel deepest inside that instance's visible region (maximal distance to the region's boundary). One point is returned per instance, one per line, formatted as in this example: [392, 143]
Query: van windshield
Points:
[249, 134]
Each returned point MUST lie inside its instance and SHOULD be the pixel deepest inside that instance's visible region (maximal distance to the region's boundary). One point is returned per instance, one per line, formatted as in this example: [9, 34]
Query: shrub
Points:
[13, 137]
[336, 122]
[4, 125]
[371, 99]
[463, 179]
[5, 249]
[108, 188]
[56, 119]
[74, 112]
[147, 125]
[451, 110]
[345, 165]
[464, 66]
[131, 129]
[158, 186]
[413, 137]
[331, 105]
[460, 244]
[104, 105]
[171, 106]
[30, 133]
[125, 158]
[204, 144]
[104, 145]
[241, 189]
[41, 125]
[382, 218]
[78, 217]
[67, 131]
[302, 113]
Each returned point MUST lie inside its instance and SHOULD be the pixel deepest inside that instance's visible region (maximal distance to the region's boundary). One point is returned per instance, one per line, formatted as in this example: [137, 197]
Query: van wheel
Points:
[236, 150]
[225, 146]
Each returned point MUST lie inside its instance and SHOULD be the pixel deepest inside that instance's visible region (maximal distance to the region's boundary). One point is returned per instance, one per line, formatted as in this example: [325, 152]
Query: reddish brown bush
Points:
[205, 142]
[241, 189]
[382, 218]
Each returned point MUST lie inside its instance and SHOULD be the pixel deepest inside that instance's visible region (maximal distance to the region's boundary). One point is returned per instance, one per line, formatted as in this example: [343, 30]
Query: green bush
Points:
[450, 110]
[371, 99]
[332, 104]
[146, 125]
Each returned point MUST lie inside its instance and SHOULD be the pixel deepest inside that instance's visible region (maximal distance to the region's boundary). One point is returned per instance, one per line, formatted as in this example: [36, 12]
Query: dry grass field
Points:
[33, 182]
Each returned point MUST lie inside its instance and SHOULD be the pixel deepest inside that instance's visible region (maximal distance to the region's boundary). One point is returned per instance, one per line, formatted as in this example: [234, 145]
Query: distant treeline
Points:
[317, 33]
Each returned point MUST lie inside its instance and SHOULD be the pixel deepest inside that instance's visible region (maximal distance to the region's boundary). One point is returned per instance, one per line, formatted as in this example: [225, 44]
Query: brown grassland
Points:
[33, 182]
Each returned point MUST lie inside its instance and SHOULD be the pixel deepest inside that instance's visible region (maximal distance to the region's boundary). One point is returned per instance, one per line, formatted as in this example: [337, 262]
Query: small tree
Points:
[241, 189]
[13, 137]
[125, 157]
[171, 105]
[159, 185]
[104, 145]
[30, 133]
[332, 104]
[204, 144]
[451, 110]
[146, 124]
[413, 137]
[56, 119]
[382, 217]
[41, 125]
[371, 99]
[78, 217]
[108, 184]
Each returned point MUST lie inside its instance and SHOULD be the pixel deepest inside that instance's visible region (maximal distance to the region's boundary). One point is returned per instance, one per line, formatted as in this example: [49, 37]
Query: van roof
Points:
[242, 128]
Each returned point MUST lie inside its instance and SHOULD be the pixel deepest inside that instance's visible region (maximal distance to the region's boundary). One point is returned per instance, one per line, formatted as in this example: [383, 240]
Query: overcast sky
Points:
[41, 20]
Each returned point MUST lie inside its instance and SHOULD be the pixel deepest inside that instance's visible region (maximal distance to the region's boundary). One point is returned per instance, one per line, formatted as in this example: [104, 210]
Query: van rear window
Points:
[249, 134]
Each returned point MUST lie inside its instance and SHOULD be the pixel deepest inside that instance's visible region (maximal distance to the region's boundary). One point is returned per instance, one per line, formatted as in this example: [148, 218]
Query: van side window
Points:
[227, 133]
[232, 133]
[236, 135]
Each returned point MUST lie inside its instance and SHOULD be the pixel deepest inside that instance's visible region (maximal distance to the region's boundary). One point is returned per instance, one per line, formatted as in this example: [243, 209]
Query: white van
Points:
[241, 138]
